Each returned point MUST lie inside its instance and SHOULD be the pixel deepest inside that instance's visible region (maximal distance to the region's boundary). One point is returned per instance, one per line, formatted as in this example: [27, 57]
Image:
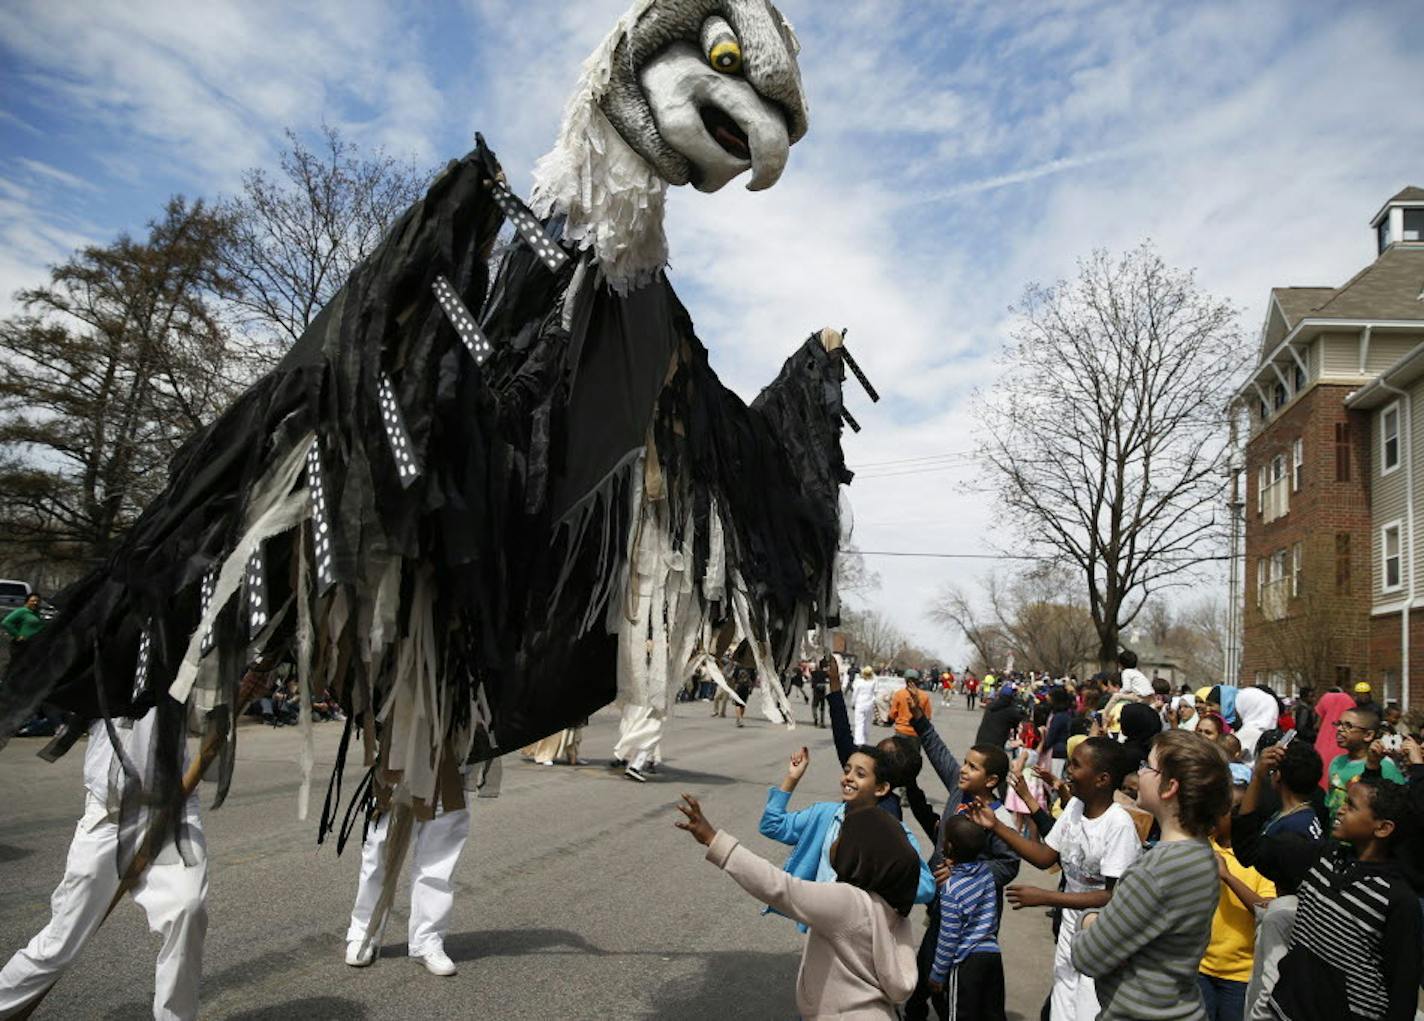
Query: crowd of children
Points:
[1196, 877]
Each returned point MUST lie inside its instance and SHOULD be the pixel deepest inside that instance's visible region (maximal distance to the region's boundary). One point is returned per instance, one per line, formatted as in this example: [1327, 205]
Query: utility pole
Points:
[1235, 508]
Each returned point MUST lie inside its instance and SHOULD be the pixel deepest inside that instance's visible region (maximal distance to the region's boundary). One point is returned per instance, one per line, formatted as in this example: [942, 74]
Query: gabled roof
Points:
[1408, 194]
[1388, 288]
[1295, 302]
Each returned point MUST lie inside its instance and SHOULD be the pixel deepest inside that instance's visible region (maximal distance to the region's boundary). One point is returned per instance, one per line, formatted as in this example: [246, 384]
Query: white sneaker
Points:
[358, 957]
[436, 962]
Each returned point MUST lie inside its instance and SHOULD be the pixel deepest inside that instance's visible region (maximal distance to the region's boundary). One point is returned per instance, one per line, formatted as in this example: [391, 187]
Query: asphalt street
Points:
[577, 897]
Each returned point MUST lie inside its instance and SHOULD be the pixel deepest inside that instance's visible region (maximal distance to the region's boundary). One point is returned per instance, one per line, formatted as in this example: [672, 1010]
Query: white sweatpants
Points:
[434, 853]
[640, 735]
[860, 723]
[1273, 931]
[1074, 997]
[173, 896]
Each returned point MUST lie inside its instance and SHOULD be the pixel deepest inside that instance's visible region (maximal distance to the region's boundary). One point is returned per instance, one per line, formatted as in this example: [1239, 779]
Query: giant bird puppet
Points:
[485, 495]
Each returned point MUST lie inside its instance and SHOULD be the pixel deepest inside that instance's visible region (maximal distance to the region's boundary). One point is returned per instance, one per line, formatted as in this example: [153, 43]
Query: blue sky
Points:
[957, 151]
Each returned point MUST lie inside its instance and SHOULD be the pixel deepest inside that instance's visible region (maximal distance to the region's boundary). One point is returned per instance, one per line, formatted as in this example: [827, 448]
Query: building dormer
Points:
[1400, 221]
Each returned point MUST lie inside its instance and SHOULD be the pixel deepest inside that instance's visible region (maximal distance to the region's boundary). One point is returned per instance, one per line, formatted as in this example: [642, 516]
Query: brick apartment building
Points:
[1333, 476]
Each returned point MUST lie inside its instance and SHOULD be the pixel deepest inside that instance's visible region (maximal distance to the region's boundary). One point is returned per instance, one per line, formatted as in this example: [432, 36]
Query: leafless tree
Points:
[954, 609]
[872, 638]
[853, 577]
[1104, 435]
[298, 234]
[107, 371]
[1038, 616]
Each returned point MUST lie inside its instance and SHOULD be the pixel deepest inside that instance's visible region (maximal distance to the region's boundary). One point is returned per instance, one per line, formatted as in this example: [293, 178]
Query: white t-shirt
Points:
[1135, 682]
[1091, 851]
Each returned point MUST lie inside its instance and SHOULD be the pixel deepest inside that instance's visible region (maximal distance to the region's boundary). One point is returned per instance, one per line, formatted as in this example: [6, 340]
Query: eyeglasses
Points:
[1149, 769]
[1342, 725]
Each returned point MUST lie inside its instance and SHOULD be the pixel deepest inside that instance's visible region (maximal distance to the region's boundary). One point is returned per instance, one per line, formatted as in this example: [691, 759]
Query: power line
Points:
[909, 460]
[1002, 556]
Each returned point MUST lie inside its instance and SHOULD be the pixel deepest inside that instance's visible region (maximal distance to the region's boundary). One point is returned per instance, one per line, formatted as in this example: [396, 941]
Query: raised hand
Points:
[982, 814]
[696, 823]
[800, 759]
[1269, 759]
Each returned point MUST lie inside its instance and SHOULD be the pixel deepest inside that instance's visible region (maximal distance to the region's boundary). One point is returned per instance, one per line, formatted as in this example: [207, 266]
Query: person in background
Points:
[24, 622]
[971, 689]
[900, 704]
[820, 680]
[1365, 698]
[1306, 719]
[1134, 682]
[1355, 733]
[862, 695]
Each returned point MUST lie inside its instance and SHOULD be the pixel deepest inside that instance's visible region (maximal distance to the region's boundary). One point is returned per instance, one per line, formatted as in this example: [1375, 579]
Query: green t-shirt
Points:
[1345, 771]
[22, 623]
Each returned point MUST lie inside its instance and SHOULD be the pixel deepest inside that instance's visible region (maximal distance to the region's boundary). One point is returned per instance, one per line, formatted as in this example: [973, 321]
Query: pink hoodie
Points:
[1330, 707]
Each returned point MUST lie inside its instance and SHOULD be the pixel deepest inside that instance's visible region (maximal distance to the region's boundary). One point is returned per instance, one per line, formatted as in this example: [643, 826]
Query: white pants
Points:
[434, 853]
[173, 896]
[860, 722]
[640, 735]
[1074, 997]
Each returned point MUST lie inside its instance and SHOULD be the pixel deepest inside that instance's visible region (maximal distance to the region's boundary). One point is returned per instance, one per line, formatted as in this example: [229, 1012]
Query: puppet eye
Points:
[720, 44]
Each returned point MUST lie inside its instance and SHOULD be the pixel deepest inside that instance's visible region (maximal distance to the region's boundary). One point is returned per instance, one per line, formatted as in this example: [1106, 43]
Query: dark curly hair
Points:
[1203, 778]
[900, 756]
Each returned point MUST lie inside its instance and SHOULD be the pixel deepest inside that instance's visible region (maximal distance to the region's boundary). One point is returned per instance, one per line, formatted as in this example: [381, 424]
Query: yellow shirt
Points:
[1233, 927]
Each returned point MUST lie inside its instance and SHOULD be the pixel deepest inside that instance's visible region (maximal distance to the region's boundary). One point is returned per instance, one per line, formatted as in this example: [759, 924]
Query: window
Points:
[1382, 232]
[1260, 578]
[1392, 563]
[1278, 565]
[1278, 467]
[1342, 563]
[1342, 677]
[1298, 380]
[1278, 397]
[1389, 439]
[1260, 490]
[1342, 451]
[1297, 463]
[1413, 225]
[1264, 411]
[1297, 557]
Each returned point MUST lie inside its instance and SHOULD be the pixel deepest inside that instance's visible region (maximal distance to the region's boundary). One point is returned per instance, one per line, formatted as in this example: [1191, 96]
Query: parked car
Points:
[13, 594]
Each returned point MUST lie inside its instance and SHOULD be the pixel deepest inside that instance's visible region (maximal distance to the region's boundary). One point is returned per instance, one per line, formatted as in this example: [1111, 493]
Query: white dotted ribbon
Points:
[321, 521]
[470, 334]
[396, 434]
[530, 229]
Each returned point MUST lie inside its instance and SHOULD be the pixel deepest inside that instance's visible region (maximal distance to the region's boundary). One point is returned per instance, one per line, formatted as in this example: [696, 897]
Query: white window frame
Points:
[1296, 563]
[1395, 526]
[1385, 467]
[1297, 463]
[1260, 580]
[1261, 490]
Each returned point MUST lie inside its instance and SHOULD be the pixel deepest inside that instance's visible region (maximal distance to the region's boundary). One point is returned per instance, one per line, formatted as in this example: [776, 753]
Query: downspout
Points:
[1407, 428]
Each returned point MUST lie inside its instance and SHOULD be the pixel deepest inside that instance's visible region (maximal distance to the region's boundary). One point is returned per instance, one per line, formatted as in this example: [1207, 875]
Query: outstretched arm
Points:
[840, 719]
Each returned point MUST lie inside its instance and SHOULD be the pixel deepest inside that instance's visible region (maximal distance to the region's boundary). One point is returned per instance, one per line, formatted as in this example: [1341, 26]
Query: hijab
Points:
[1330, 707]
[1227, 695]
[1259, 713]
[873, 853]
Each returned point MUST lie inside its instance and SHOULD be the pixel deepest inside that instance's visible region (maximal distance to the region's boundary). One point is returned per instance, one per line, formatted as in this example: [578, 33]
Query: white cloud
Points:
[957, 151]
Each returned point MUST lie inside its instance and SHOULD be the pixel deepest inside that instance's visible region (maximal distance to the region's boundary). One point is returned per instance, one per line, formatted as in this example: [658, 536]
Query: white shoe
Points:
[358, 957]
[546, 762]
[436, 962]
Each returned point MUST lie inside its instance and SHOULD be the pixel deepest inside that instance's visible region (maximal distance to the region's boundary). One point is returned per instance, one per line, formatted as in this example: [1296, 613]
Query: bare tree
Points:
[299, 234]
[853, 577]
[1036, 616]
[1104, 433]
[107, 371]
[872, 638]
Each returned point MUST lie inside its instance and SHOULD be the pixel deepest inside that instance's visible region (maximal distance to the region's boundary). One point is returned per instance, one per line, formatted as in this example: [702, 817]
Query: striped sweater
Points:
[1354, 948]
[1148, 941]
[969, 914]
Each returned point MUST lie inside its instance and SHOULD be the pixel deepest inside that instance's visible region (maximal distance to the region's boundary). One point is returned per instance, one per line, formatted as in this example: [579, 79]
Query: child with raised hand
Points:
[812, 830]
[1095, 842]
[980, 776]
[1143, 947]
[859, 960]
[899, 755]
[967, 977]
